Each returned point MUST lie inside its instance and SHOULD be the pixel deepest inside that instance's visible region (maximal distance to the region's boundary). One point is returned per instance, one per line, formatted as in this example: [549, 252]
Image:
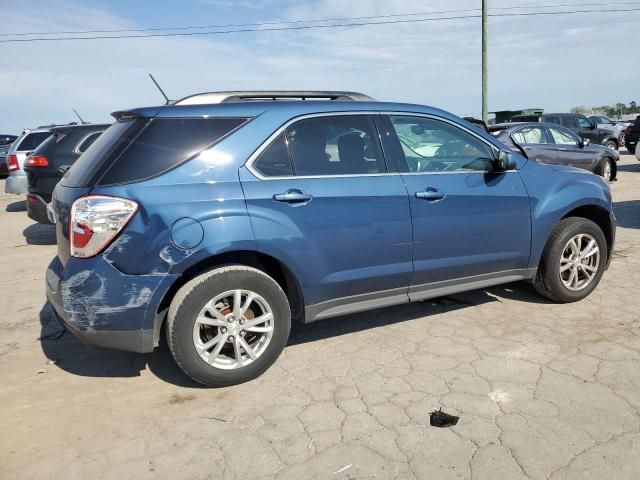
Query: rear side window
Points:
[87, 141]
[569, 122]
[340, 145]
[275, 160]
[32, 140]
[555, 120]
[164, 143]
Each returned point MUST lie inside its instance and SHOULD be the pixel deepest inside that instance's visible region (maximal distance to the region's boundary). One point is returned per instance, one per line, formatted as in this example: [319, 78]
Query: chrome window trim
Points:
[263, 146]
[76, 150]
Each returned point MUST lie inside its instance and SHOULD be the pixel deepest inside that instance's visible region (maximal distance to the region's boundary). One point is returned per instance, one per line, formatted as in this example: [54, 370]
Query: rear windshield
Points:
[44, 146]
[137, 149]
[31, 141]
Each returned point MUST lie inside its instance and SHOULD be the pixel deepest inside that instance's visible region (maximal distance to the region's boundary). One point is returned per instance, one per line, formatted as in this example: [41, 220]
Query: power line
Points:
[292, 22]
[313, 27]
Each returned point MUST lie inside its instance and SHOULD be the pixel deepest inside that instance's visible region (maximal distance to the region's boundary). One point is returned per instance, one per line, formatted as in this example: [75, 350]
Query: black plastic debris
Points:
[439, 419]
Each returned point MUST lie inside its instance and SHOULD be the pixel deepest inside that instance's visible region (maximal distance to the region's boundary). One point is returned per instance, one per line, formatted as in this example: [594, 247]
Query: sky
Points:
[550, 62]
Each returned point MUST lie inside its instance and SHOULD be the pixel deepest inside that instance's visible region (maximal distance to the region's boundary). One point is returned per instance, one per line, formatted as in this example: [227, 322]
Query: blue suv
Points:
[222, 217]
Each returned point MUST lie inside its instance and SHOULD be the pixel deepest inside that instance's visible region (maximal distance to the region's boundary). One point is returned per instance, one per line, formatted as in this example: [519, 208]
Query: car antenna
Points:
[78, 115]
[161, 91]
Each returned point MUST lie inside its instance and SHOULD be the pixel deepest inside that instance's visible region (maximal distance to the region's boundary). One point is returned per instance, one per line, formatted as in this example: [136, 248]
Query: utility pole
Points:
[484, 60]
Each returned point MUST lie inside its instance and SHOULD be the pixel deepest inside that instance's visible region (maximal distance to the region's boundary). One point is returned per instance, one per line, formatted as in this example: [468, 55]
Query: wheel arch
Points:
[261, 261]
[599, 216]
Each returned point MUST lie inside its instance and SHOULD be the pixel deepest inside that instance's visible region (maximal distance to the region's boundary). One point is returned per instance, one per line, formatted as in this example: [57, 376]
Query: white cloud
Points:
[552, 62]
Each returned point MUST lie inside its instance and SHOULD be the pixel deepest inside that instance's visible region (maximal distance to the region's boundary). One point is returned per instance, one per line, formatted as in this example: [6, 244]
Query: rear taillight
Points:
[95, 221]
[12, 163]
[36, 161]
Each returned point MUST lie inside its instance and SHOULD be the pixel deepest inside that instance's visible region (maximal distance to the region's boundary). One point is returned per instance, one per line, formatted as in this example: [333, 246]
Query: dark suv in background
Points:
[578, 123]
[5, 144]
[631, 135]
[47, 164]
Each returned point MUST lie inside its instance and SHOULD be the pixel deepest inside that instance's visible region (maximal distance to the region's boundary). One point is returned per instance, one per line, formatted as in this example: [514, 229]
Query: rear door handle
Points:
[293, 196]
[430, 195]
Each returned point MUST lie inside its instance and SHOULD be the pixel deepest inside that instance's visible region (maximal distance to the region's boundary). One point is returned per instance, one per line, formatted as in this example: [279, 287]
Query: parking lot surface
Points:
[542, 390]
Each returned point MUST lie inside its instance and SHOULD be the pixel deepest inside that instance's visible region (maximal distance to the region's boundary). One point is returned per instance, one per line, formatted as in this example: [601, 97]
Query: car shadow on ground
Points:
[74, 357]
[633, 167]
[20, 206]
[627, 213]
[40, 234]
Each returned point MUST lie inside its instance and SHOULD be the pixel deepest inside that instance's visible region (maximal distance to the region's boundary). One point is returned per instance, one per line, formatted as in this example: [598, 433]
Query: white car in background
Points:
[25, 144]
[608, 124]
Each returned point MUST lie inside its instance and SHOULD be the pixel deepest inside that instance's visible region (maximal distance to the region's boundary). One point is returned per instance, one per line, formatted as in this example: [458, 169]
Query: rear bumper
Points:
[16, 184]
[37, 208]
[104, 307]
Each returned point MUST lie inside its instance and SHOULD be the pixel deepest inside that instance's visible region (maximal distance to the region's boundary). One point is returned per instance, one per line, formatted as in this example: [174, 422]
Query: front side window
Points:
[562, 137]
[335, 145]
[434, 146]
[533, 135]
[583, 123]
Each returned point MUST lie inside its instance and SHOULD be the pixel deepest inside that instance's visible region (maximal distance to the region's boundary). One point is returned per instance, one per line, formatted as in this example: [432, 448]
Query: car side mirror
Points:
[584, 142]
[505, 161]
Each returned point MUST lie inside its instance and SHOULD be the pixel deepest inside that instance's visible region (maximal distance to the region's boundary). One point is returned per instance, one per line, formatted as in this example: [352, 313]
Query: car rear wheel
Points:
[631, 150]
[612, 144]
[573, 261]
[605, 169]
[229, 325]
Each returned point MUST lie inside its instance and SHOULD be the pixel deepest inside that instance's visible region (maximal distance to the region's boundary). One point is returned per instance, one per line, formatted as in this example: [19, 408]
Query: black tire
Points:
[548, 282]
[602, 168]
[631, 150]
[192, 297]
[612, 144]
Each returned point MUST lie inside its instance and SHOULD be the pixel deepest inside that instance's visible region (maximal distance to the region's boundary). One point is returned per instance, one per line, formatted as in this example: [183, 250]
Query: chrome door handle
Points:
[430, 195]
[293, 196]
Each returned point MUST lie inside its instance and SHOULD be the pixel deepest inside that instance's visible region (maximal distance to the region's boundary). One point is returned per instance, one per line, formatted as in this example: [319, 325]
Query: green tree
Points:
[581, 109]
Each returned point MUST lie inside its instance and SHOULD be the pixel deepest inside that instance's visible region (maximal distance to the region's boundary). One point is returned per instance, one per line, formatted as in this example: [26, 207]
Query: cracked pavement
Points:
[543, 391]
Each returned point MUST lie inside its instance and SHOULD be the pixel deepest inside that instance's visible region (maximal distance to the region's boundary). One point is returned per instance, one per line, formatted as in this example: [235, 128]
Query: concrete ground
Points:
[542, 390]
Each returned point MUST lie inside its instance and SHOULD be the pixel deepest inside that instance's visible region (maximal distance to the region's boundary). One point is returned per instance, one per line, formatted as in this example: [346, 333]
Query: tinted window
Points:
[563, 137]
[583, 123]
[275, 160]
[434, 146]
[555, 120]
[88, 141]
[532, 135]
[32, 140]
[82, 171]
[340, 145]
[164, 143]
[569, 122]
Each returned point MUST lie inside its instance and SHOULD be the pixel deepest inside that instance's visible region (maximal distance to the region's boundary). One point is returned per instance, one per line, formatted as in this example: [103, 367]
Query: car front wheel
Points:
[611, 144]
[573, 261]
[228, 325]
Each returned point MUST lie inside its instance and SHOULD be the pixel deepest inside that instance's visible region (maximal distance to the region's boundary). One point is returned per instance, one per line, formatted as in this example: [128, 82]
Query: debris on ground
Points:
[347, 467]
[216, 418]
[440, 419]
[51, 362]
[42, 370]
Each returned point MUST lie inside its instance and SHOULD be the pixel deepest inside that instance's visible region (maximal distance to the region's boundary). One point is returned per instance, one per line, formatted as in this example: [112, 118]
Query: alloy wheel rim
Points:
[607, 170]
[579, 262]
[233, 329]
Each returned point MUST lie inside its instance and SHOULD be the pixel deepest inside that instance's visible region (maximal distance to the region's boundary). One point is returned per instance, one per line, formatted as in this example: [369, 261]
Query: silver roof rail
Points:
[252, 96]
